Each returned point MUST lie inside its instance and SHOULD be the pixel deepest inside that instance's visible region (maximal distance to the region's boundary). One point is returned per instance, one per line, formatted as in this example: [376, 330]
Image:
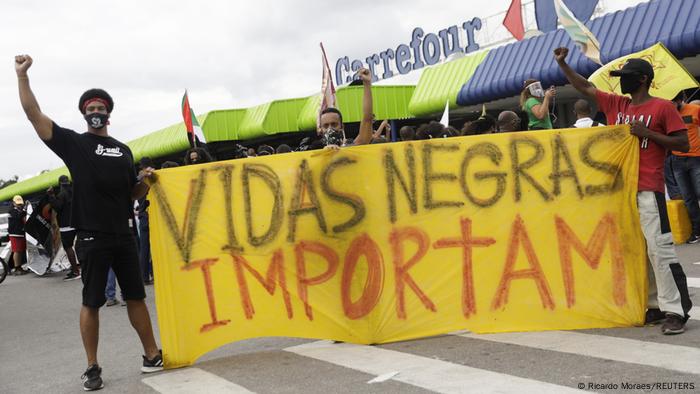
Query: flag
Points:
[514, 20]
[546, 15]
[445, 120]
[670, 76]
[578, 32]
[194, 131]
[327, 88]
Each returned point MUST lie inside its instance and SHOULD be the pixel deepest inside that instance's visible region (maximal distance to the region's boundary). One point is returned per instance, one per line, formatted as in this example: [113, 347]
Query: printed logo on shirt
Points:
[626, 119]
[111, 152]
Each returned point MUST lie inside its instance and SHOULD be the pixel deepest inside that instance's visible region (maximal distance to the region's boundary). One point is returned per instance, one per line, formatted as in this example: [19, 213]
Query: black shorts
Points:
[96, 253]
[67, 239]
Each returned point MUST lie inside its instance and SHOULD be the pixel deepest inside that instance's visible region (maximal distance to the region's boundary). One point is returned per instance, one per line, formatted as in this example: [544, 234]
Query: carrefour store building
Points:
[491, 76]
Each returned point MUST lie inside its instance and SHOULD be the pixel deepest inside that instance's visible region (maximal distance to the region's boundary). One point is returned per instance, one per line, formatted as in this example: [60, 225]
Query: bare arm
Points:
[141, 187]
[42, 124]
[674, 141]
[542, 110]
[575, 79]
[382, 127]
[365, 135]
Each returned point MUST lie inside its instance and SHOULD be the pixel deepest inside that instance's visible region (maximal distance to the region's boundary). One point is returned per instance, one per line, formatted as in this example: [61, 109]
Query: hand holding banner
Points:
[381, 243]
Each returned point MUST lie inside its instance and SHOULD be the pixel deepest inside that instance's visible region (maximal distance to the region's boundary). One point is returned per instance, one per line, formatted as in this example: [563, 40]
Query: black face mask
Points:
[332, 136]
[96, 120]
[629, 83]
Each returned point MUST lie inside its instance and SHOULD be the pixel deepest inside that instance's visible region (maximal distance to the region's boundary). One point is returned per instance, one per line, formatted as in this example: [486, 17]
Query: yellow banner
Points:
[380, 243]
[670, 76]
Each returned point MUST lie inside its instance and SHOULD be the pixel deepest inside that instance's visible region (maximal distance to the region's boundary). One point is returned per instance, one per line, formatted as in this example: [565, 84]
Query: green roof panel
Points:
[222, 125]
[442, 83]
[163, 142]
[388, 102]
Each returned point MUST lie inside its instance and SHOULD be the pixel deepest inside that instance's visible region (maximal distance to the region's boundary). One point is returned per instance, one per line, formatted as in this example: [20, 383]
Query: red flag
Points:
[514, 20]
[194, 131]
[327, 88]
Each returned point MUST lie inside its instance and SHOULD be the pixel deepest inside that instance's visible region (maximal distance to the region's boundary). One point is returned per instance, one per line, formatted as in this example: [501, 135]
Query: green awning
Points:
[222, 125]
[389, 102]
[163, 142]
[32, 185]
[279, 116]
[442, 83]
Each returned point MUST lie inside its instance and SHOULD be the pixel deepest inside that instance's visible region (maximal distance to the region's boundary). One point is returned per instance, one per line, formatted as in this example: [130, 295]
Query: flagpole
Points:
[325, 60]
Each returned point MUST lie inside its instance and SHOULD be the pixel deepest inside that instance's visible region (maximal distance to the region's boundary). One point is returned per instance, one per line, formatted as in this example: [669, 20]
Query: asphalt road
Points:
[41, 352]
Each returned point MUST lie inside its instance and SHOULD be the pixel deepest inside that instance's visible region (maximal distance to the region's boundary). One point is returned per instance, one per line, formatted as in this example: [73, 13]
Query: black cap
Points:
[635, 66]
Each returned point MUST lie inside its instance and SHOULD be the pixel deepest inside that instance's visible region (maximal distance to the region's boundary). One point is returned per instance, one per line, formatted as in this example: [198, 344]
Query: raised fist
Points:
[22, 64]
[365, 75]
[560, 54]
[551, 92]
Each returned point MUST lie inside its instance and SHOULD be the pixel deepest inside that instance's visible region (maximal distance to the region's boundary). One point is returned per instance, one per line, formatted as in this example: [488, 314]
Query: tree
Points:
[8, 182]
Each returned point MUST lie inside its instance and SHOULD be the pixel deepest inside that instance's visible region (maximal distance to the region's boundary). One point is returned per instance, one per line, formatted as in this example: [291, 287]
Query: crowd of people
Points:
[106, 210]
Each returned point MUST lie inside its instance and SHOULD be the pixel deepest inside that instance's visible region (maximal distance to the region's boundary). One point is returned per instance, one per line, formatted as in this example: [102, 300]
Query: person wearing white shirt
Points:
[583, 115]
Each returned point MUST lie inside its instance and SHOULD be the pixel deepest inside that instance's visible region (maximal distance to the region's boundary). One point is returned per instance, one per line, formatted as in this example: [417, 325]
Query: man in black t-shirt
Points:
[105, 185]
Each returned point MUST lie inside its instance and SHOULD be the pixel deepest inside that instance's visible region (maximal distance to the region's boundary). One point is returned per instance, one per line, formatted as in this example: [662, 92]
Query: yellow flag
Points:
[670, 76]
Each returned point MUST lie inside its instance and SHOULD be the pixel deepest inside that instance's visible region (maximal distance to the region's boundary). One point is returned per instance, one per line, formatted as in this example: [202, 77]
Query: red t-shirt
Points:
[659, 116]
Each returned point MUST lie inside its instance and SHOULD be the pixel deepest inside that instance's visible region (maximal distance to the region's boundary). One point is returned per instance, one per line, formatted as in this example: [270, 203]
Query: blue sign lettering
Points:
[421, 50]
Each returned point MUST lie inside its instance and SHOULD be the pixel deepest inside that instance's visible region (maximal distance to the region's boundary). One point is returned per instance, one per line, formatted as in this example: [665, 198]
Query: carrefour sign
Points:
[424, 49]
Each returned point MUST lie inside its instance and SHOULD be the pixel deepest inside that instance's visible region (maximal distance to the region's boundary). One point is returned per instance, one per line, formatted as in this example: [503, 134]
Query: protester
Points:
[485, 124]
[508, 121]
[431, 130]
[264, 150]
[583, 111]
[331, 132]
[62, 204]
[105, 186]
[197, 156]
[686, 165]
[662, 128]
[111, 290]
[283, 148]
[407, 133]
[535, 102]
[15, 229]
[384, 130]
[169, 164]
[672, 188]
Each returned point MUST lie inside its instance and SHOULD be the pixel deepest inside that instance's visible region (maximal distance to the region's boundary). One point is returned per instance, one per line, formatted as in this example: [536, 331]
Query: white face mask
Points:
[536, 89]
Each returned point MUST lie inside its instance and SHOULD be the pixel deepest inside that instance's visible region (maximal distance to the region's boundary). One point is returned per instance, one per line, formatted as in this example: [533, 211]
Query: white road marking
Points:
[383, 378]
[431, 374]
[693, 282]
[658, 355]
[192, 381]
[694, 313]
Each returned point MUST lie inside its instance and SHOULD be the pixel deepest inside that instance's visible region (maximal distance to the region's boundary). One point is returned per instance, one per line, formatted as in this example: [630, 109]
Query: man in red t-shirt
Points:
[659, 127]
[686, 165]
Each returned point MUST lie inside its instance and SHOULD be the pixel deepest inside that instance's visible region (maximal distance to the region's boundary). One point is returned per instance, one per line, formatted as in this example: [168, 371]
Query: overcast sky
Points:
[228, 54]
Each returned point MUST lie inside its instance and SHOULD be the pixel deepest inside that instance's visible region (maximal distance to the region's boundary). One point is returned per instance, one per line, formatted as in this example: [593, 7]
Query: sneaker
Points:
[693, 239]
[654, 316]
[673, 325]
[153, 365]
[71, 276]
[92, 379]
[111, 302]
